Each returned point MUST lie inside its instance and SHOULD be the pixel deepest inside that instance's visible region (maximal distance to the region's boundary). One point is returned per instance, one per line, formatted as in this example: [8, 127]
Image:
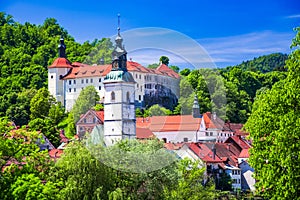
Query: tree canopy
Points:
[274, 128]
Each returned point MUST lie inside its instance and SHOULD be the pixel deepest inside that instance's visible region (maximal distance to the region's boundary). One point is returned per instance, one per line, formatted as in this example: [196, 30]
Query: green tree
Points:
[185, 72]
[157, 110]
[153, 66]
[102, 50]
[274, 129]
[22, 179]
[174, 68]
[164, 60]
[87, 98]
[83, 176]
[40, 104]
[191, 183]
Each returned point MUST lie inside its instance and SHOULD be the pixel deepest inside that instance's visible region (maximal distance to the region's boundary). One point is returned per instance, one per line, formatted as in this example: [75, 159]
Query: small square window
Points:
[51, 76]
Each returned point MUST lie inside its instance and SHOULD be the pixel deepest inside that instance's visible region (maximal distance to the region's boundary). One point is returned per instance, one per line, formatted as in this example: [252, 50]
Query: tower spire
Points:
[119, 24]
[119, 54]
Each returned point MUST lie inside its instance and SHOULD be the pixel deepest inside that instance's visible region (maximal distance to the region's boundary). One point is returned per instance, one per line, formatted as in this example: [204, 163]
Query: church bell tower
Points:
[119, 109]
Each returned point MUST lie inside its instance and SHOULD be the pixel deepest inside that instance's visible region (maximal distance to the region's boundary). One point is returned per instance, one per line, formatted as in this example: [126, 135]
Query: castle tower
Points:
[56, 71]
[119, 109]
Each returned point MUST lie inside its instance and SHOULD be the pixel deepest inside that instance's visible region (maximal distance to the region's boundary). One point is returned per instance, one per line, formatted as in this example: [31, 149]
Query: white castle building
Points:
[66, 80]
[122, 86]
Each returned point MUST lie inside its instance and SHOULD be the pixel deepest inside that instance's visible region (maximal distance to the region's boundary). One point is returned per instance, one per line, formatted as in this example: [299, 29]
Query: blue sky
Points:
[228, 31]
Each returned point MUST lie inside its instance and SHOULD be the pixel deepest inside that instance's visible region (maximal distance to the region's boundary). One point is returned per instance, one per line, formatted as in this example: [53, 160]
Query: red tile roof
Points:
[80, 70]
[169, 123]
[237, 139]
[173, 146]
[225, 153]
[144, 133]
[212, 123]
[100, 115]
[55, 153]
[167, 71]
[244, 153]
[61, 63]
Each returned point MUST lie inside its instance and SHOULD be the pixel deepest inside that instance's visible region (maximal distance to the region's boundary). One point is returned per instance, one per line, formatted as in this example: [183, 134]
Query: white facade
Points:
[235, 175]
[56, 86]
[73, 88]
[119, 109]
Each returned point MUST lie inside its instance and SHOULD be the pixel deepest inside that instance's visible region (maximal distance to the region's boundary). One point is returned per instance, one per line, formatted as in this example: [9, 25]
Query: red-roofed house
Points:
[186, 128]
[88, 121]
[178, 128]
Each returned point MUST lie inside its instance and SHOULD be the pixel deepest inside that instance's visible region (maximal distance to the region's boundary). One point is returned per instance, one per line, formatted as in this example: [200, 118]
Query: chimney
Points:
[214, 151]
[214, 115]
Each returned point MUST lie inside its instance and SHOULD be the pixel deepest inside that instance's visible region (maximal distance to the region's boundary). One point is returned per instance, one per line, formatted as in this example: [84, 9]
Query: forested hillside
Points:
[235, 87]
[264, 64]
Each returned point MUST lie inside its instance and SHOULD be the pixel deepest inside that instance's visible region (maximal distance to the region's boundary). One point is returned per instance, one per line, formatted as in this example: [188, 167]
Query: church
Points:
[122, 86]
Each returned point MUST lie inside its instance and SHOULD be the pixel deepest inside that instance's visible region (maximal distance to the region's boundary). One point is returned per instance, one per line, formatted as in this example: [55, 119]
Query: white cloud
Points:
[146, 45]
[293, 16]
[235, 49]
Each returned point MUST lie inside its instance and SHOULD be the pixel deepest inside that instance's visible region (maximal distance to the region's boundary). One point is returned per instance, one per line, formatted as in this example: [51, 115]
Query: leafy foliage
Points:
[164, 60]
[23, 165]
[274, 129]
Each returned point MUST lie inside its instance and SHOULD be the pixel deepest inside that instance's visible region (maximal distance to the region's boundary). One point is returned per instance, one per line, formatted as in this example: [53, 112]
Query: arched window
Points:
[127, 97]
[113, 96]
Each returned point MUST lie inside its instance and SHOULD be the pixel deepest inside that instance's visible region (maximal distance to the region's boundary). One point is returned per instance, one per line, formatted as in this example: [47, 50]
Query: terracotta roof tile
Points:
[55, 153]
[169, 123]
[173, 146]
[244, 153]
[144, 133]
[80, 70]
[61, 63]
[167, 70]
[237, 139]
